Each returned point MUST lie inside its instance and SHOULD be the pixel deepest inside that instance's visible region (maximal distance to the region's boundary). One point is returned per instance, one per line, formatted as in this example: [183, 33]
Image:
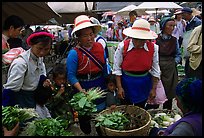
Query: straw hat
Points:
[82, 22]
[178, 12]
[140, 29]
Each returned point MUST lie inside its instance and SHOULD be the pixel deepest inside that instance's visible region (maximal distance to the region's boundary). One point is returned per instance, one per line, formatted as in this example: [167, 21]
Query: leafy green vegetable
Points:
[47, 127]
[115, 120]
[83, 103]
[11, 115]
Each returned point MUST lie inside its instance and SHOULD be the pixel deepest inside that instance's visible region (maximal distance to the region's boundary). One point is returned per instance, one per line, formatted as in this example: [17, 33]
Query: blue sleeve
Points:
[72, 64]
[8, 97]
[178, 53]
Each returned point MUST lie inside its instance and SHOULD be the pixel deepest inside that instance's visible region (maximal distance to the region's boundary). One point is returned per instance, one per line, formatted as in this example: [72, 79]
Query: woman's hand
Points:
[61, 90]
[47, 83]
[12, 132]
[121, 93]
[152, 95]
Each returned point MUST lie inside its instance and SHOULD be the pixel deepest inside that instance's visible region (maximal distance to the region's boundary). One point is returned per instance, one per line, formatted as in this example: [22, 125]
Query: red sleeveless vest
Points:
[85, 66]
[137, 59]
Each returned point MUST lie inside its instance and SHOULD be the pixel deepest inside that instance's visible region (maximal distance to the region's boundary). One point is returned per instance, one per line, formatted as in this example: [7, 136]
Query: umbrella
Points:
[71, 7]
[70, 10]
[158, 6]
[30, 12]
[125, 11]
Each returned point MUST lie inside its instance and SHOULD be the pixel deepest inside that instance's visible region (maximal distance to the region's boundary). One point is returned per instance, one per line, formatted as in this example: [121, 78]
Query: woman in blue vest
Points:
[136, 65]
[189, 100]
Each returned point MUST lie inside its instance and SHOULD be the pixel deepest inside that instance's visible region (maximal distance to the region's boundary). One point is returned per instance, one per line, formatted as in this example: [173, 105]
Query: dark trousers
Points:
[168, 104]
[85, 124]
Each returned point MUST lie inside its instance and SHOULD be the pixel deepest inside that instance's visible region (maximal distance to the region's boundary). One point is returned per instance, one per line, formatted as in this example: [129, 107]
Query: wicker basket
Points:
[141, 131]
[171, 113]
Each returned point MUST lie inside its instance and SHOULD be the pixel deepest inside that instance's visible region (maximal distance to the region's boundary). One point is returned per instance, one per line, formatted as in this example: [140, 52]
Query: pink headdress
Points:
[37, 34]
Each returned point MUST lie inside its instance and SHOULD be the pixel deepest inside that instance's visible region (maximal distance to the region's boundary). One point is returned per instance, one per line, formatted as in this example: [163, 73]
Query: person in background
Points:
[99, 38]
[27, 31]
[136, 65]
[195, 50]
[12, 27]
[110, 32]
[85, 64]
[169, 57]
[25, 71]
[192, 22]
[119, 32]
[132, 16]
[70, 31]
[179, 27]
[189, 100]
[153, 25]
[112, 99]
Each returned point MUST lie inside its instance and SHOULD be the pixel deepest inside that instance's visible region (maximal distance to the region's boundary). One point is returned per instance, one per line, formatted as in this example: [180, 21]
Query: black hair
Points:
[15, 42]
[45, 40]
[14, 21]
[110, 78]
[132, 13]
[42, 95]
[59, 69]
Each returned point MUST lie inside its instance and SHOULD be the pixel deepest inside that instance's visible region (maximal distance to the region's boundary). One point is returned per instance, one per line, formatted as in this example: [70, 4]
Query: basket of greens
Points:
[124, 120]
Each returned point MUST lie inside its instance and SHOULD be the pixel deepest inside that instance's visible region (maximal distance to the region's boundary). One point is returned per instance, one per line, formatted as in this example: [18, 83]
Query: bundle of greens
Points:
[11, 115]
[115, 120]
[84, 103]
[47, 127]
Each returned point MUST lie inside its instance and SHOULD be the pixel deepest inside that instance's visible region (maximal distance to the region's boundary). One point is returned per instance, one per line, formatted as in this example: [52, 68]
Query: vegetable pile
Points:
[11, 115]
[47, 127]
[163, 120]
[115, 120]
[84, 103]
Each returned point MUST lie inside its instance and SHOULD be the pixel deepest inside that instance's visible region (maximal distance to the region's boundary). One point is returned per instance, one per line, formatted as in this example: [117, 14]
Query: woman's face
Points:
[138, 43]
[86, 37]
[40, 50]
[14, 33]
[169, 27]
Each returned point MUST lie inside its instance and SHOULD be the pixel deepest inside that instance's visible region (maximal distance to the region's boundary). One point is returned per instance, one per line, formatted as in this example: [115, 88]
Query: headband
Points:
[37, 34]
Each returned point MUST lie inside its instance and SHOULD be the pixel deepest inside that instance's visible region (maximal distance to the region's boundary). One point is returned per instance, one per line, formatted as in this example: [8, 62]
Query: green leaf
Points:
[82, 102]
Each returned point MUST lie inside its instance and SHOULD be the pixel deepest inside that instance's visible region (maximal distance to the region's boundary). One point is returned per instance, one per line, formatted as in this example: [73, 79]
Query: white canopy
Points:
[125, 11]
[159, 11]
[70, 7]
[159, 5]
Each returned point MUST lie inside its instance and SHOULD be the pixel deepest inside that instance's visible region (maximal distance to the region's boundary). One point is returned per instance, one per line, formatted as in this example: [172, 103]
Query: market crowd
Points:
[144, 72]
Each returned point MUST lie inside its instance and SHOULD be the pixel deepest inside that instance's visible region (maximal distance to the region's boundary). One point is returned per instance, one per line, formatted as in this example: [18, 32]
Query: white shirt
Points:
[24, 72]
[118, 59]
[42, 111]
